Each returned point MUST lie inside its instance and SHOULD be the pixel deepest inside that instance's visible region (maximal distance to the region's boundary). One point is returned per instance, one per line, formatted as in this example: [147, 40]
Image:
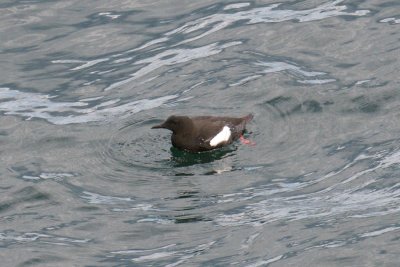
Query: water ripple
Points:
[326, 244]
[11, 237]
[49, 175]
[359, 200]
[163, 51]
[390, 20]
[267, 14]
[172, 57]
[172, 257]
[94, 198]
[36, 105]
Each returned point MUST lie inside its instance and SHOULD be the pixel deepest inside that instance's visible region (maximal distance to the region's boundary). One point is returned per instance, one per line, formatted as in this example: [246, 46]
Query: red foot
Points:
[246, 141]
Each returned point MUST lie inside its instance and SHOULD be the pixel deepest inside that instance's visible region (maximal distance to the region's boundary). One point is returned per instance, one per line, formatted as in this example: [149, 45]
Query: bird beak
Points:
[158, 126]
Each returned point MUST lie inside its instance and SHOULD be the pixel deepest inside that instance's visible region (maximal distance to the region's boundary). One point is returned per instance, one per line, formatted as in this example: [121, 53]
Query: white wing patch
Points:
[221, 137]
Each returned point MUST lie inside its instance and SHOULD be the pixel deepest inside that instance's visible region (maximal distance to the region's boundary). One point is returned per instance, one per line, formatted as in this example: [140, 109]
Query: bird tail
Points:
[248, 117]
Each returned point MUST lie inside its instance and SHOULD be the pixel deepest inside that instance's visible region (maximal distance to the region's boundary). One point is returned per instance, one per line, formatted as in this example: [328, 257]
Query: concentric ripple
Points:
[137, 147]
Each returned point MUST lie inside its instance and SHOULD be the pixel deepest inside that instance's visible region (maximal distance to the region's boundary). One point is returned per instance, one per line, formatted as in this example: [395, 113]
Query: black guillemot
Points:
[203, 133]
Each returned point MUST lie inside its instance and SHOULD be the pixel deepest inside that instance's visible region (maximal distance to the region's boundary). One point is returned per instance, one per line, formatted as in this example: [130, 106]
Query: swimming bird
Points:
[203, 133]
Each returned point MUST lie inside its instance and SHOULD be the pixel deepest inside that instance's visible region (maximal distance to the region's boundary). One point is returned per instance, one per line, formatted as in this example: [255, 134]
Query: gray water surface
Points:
[86, 182]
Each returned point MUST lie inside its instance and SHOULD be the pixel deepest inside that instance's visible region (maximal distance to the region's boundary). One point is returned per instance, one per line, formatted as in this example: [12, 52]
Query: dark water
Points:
[86, 182]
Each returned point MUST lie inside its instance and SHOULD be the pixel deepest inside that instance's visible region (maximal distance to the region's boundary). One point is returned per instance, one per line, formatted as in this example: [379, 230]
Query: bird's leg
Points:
[246, 141]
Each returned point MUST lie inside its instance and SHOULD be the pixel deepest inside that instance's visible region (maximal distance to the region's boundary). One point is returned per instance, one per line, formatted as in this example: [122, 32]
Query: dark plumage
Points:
[204, 133]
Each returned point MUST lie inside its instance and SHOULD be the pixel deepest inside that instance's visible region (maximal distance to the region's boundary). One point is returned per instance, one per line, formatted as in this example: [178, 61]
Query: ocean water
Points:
[86, 182]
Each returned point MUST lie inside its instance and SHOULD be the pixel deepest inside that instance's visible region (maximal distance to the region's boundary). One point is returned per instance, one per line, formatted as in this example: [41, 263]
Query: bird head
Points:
[174, 123]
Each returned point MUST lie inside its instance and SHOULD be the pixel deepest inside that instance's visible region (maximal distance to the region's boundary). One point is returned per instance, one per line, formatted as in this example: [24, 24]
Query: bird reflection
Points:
[180, 158]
